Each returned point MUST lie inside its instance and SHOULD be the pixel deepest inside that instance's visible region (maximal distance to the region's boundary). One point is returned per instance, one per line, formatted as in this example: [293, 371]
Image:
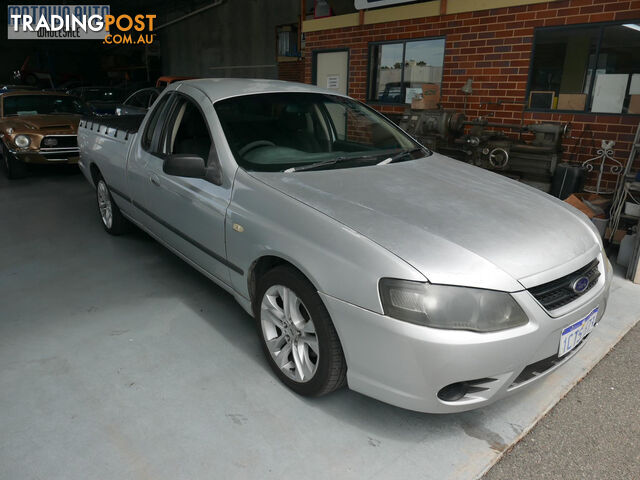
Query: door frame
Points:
[314, 69]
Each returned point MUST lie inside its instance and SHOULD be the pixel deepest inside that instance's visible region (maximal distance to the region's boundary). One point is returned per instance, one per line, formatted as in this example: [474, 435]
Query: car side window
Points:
[140, 99]
[187, 131]
[338, 115]
[150, 128]
[152, 98]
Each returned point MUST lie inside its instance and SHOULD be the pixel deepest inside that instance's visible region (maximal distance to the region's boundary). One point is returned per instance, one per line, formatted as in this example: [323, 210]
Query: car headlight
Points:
[444, 306]
[22, 141]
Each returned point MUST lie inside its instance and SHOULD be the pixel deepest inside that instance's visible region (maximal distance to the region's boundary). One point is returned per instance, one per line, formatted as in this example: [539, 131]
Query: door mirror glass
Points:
[184, 165]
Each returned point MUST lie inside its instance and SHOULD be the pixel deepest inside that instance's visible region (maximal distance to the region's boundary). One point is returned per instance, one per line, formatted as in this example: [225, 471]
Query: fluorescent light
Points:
[632, 26]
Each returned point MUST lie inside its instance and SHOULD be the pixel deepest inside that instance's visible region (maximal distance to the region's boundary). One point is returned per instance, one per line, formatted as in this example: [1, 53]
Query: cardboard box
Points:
[572, 101]
[599, 204]
[430, 97]
[574, 201]
[617, 238]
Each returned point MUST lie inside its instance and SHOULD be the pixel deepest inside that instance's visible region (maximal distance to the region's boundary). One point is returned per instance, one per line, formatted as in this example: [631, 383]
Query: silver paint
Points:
[432, 219]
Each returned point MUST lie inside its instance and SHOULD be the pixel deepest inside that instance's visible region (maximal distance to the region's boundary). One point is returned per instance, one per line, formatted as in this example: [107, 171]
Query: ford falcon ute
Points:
[365, 259]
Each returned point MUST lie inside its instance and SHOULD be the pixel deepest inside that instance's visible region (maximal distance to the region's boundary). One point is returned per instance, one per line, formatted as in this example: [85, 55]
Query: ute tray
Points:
[112, 124]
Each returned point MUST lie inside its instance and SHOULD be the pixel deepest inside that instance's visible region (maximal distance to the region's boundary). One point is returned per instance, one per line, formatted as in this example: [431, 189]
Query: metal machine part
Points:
[433, 126]
[529, 152]
[499, 157]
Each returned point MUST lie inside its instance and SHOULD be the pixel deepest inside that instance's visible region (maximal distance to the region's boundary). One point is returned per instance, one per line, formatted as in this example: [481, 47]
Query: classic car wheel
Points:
[112, 220]
[298, 337]
[14, 167]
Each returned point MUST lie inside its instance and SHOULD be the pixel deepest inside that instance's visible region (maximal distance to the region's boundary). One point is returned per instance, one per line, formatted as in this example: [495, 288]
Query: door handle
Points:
[155, 180]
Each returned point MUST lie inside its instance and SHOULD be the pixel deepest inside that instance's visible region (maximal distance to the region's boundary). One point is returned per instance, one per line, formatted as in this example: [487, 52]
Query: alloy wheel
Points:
[104, 204]
[289, 333]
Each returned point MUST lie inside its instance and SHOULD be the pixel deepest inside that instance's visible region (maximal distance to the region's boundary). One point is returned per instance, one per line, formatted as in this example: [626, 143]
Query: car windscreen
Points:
[41, 105]
[283, 131]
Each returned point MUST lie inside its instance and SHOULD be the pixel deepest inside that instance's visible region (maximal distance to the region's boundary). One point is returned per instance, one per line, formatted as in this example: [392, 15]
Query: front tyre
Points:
[298, 337]
[13, 167]
[112, 220]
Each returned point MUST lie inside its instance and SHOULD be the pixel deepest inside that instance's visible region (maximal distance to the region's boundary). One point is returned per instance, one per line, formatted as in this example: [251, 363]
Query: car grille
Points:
[560, 292]
[63, 142]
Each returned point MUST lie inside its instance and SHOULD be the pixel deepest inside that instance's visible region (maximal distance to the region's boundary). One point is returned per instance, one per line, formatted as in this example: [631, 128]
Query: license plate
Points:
[573, 334]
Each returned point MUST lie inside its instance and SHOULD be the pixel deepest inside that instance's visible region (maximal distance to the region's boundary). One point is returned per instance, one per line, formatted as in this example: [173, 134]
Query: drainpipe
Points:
[195, 12]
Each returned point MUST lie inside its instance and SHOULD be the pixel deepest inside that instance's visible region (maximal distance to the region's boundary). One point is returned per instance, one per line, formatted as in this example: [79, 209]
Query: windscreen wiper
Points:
[401, 154]
[331, 161]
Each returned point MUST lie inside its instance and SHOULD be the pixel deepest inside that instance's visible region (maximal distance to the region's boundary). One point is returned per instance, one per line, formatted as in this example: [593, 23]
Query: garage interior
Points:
[119, 360]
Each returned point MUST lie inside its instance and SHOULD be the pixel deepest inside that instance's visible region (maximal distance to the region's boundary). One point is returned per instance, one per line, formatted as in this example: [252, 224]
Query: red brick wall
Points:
[494, 48]
[291, 71]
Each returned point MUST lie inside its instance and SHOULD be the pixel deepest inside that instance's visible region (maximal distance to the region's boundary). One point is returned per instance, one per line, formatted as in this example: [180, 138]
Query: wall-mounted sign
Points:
[57, 21]
[363, 4]
[333, 82]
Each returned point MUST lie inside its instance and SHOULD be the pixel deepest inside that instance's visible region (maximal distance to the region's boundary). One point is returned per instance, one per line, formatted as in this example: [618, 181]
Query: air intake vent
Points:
[543, 366]
[66, 126]
[461, 390]
[561, 292]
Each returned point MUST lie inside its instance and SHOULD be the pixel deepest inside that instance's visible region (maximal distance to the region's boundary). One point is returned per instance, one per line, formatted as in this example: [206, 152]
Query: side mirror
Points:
[184, 165]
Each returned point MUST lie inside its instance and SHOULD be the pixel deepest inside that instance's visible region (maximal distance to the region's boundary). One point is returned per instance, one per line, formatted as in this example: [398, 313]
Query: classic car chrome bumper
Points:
[62, 155]
[408, 365]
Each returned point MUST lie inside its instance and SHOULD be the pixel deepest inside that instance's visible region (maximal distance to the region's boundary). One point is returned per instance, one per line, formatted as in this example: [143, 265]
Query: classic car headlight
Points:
[22, 141]
[444, 306]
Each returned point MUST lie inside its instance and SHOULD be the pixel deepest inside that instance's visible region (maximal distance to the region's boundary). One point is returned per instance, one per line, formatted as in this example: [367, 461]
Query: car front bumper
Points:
[66, 156]
[407, 365]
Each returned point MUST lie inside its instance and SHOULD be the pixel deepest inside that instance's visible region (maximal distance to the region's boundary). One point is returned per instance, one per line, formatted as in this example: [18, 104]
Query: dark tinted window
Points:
[41, 105]
[187, 131]
[139, 99]
[101, 95]
[278, 131]
[150, 128]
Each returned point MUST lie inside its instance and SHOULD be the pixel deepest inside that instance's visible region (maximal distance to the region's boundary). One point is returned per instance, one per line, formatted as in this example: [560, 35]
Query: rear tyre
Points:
[112, 219]
[13, 167]
[298, 337]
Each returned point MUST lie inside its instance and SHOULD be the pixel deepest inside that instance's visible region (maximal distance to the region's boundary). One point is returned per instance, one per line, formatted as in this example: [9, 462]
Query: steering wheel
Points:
[253, 145]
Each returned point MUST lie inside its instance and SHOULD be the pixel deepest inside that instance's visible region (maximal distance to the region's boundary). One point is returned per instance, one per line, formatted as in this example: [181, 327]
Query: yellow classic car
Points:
[38, 128]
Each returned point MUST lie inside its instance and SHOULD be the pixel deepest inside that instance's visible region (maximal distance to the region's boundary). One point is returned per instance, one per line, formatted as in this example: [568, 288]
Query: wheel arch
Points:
[95, 173]
[268, 262]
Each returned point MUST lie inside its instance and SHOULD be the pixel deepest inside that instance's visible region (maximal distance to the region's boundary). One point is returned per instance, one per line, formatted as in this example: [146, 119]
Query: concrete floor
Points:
[117, 360]
[593, 432]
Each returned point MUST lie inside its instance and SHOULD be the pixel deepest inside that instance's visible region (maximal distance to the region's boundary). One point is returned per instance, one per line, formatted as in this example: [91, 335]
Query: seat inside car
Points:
[192, 136]
[293, 132]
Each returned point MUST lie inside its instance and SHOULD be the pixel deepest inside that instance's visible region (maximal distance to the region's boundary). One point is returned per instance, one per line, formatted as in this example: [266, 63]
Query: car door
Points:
[186, 213]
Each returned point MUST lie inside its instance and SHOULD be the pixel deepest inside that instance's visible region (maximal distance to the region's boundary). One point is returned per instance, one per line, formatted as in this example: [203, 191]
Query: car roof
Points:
[8, 87]
[17, 93]
[96, 87]
[220, 88]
